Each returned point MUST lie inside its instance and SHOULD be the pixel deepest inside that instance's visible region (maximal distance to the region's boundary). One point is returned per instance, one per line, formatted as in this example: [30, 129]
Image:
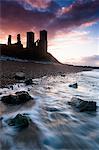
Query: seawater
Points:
[55, 124]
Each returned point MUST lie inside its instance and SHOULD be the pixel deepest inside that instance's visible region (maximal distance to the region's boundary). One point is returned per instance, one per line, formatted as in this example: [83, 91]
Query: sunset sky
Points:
[72, 25]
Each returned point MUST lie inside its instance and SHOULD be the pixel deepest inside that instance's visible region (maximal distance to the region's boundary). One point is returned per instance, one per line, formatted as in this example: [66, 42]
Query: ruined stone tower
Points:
[30, 39]
[43, 41]
[9, 40]
[18, 40]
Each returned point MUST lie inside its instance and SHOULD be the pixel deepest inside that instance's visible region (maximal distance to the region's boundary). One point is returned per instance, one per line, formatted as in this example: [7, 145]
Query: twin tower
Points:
[37, 49]
[40, 46]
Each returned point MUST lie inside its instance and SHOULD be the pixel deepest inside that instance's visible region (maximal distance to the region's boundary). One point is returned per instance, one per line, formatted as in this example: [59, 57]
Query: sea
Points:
[56, 125]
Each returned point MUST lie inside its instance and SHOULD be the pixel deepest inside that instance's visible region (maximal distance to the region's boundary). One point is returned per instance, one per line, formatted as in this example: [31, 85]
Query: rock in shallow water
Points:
[1, 118]
[20, 121]
[20, 76]
[83, 105]
[51, 109]
[75, 85]
[17, 98]
[62, 75]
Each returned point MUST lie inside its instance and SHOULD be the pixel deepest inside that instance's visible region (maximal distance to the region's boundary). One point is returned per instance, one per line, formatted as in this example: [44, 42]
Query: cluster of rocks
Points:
[20, 120]
[20, 97]
[16, 98]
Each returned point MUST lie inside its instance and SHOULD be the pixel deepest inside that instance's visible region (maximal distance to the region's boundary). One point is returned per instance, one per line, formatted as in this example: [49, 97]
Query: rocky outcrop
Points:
[17, 98]
[83, 105]
[75, 85]
[19, 121]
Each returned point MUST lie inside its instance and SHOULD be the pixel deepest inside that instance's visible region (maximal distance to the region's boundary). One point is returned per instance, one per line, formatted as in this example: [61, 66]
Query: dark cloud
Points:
[77, 14]
[25, 15]
[15, 17]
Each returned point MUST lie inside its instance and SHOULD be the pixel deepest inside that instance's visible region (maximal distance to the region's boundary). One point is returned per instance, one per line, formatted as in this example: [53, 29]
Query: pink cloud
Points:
[38, 3]
[88, 24]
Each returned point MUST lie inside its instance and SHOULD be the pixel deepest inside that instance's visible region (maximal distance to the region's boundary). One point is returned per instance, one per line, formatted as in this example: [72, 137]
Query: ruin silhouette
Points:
[33, 50]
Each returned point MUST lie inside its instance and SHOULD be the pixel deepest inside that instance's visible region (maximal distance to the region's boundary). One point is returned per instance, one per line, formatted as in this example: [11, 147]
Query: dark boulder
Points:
[19, 76]
[75, 85]
[62, 75]
[19, 121]
[17, 98]
[1, 118]
[10, 99]
[28, 82]
[23, 96]
[83, 105]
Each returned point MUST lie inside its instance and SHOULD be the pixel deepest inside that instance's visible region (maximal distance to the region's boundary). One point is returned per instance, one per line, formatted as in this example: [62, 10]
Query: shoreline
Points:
[9, 68]
[50, 111]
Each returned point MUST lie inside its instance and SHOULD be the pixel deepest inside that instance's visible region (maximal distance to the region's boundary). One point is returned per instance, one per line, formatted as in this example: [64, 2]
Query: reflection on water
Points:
[55, 124]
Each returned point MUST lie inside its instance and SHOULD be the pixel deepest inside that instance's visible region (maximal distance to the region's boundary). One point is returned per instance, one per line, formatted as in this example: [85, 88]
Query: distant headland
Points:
[33, 50]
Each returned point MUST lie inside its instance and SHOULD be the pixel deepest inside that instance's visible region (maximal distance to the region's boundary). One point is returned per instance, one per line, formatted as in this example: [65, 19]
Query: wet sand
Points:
[8, 69]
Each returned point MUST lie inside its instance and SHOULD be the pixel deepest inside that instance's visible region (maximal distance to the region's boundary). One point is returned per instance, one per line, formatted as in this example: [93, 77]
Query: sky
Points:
[72, 25]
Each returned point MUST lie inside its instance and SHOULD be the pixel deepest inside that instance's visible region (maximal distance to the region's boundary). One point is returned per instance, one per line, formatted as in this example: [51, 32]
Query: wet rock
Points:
[28, 82]
[1, 118]
[23, 96]
[83, 105]
[51, 109]
[20, 121]
[20, 76]
[75, 101]
[10, 99]
[17, 98]
[75, 85]
[62, 75]
[1, 125]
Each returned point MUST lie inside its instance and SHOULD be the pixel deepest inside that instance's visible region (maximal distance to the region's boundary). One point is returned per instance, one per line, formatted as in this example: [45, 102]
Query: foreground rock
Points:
[82, 105]
[20, 121]
[20, 76]
[1, 118]
[17, 98]
[75, 85]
